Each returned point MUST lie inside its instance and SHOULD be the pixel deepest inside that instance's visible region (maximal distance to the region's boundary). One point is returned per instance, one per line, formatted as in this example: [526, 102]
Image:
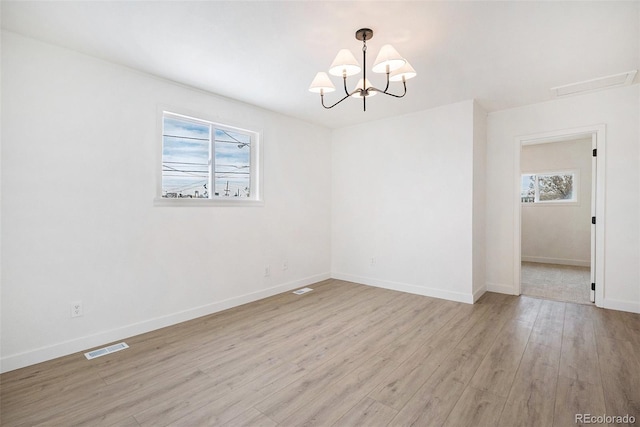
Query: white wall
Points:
[558, 233]
[618, 109]
[403, 202]
[79, 168]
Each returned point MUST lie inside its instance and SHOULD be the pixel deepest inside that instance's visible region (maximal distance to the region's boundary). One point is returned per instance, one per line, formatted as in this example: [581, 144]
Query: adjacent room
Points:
[556, 219]
[284, 213]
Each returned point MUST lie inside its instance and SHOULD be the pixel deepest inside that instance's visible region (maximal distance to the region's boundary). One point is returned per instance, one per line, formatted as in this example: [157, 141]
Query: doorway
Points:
[558, 250]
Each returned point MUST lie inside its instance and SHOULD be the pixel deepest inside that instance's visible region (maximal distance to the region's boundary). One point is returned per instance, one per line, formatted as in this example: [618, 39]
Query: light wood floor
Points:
[350, 355]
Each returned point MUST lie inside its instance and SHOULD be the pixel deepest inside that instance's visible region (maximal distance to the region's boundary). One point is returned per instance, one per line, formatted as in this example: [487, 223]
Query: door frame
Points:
[598, 134]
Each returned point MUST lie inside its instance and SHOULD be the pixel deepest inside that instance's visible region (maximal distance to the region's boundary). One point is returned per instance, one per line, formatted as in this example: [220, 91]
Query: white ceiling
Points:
[503, 54]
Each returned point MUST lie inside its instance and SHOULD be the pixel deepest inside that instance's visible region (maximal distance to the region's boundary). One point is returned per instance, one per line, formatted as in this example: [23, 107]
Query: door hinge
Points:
[593, 220]
[593, 286]
[595, 152]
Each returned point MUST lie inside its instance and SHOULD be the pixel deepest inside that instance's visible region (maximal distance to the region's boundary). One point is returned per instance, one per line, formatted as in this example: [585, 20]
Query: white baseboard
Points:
[404, 287]
[20, 360]
[477, 294]
[614, 304]
[501, 289]
[561, 261]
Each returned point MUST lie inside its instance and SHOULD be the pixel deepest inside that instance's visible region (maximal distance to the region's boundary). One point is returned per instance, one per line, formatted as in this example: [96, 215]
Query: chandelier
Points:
[388, 61]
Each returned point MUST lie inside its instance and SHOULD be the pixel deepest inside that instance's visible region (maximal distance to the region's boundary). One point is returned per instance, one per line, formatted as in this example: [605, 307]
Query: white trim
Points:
[500, 288]
[477, 294]
[20, 360]
[556, 136]
[406, 287]
[186, 202]
[560, 261]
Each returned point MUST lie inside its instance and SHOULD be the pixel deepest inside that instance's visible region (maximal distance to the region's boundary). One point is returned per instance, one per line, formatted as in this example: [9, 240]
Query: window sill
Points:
[187, 202]
[538, 204]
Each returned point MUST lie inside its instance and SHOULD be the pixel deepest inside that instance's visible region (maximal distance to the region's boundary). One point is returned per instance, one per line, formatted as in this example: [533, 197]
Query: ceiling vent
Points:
[608, 82]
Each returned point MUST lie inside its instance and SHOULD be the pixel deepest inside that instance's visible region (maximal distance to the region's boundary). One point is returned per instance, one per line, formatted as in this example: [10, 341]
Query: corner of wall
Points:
[479, 285]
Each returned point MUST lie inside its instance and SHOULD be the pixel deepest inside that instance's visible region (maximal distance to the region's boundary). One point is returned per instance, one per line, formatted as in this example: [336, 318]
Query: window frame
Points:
[575, 201]
[256, 162]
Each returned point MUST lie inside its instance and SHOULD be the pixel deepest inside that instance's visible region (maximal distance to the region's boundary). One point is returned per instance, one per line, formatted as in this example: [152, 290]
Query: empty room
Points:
[331, 213]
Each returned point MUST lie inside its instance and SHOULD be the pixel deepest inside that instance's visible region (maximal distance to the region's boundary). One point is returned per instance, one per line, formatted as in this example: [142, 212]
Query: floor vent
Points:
[106, 350]
[302, 291]
[622, 79]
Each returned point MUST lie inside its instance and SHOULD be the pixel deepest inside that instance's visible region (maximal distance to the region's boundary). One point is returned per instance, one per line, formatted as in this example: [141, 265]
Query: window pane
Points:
[527, 188]
[185, 158]
[232, 164]
[555, 187]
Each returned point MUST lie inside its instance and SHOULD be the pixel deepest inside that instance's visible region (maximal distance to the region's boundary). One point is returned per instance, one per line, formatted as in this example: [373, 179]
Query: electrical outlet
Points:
[267, 271]
[285, 265]
[76, 309]
[373, 261]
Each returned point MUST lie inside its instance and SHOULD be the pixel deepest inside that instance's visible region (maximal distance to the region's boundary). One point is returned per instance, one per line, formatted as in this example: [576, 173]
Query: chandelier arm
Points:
[339, 101]
[404, 83]
[344, 79]
[387, 86]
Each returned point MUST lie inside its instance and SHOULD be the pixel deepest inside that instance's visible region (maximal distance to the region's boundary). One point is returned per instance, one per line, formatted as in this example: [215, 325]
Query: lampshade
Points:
[345, 63]
[321, 84]
[405, 71]
[388, 57]
[359, 86]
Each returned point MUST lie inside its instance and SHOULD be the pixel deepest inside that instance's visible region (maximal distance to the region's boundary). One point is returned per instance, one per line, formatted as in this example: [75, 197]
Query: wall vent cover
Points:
[302, 291]
[607, 82]
[106, 350]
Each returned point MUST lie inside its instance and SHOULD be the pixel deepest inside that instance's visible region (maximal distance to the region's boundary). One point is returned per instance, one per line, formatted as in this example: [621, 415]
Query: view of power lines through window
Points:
[203, 160]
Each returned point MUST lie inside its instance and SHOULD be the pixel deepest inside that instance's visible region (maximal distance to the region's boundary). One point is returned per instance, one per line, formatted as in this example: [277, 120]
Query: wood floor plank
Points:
[251, 418]
[367, 412]
[402, 383]
[480, 337]
[549, 324]
[321, 345]
[527, 309]
[219, 404]
[620, 380]
[120, 406]
[341, 395]
[436, 316]
[234, 403]
[370, 340]
[433, 402]
[532, 396]
[476, 408]
[579, 357]
[497, 370]
[127, 422]
[46, 394]
[576, 397]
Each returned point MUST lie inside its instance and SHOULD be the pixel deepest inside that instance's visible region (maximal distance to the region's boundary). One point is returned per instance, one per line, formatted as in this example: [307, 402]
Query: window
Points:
[205, 160]
[556, 187]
